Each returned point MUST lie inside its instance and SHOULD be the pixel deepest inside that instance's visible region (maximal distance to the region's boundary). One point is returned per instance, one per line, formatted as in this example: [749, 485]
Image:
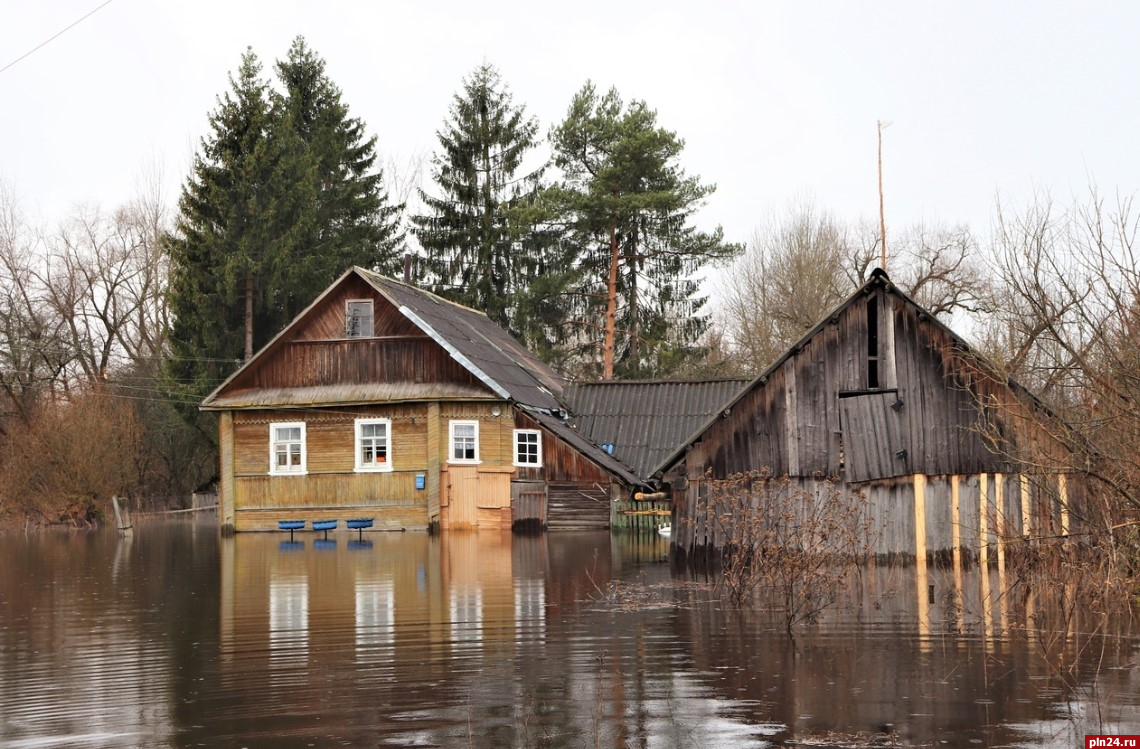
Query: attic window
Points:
[358, 318]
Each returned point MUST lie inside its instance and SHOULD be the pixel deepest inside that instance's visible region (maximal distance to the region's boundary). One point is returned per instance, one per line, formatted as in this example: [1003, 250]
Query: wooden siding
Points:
[578, 506]
[560, 462]
[327, 322]
[362, 360]
[528, 503]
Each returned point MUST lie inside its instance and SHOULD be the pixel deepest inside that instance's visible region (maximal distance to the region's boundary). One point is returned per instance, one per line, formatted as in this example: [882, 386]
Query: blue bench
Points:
[290, 525]
[358, 525]
[324, 525]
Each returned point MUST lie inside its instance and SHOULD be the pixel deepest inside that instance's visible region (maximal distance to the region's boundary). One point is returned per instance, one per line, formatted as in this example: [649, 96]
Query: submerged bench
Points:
[324, 525]
[358, 525]
[290, 525]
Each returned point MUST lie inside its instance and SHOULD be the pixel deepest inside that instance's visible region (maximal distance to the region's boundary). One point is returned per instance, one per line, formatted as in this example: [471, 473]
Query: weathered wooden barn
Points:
[879, 399]
[382, 400]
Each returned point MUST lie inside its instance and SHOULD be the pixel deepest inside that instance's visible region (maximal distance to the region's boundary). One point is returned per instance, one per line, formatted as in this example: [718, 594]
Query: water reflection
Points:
[179, 638]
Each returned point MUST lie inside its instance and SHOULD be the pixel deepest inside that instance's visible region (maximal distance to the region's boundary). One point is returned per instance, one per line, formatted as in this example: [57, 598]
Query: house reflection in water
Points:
[303, 604]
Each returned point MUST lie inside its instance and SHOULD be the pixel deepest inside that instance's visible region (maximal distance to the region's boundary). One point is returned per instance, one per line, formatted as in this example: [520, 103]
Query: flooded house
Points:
[382, 400]
[881, 400]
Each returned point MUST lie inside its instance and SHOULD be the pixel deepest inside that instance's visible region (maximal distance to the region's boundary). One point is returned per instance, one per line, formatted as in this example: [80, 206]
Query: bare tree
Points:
[33, 353]
[1069, 327]
[939, 266]
[789, 277]
[804, 262]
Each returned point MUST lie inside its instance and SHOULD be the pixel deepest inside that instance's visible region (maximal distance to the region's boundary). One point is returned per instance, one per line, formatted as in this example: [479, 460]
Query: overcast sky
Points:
[773, 100]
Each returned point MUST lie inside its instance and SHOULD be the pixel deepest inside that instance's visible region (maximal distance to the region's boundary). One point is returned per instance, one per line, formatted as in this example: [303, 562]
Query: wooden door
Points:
[462, 495]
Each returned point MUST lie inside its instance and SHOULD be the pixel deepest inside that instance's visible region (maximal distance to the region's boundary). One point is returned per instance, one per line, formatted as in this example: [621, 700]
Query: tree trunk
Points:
[611, 307]
[248, 317]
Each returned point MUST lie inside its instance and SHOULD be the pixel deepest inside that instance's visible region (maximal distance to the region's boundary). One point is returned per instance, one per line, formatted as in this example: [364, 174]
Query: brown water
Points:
[178, 638]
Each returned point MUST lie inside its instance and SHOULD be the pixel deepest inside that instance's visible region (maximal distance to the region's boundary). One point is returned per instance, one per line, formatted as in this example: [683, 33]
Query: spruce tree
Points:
[281, 200]
[630, 206]
[486, 241]
[354, 223]
[249, 191]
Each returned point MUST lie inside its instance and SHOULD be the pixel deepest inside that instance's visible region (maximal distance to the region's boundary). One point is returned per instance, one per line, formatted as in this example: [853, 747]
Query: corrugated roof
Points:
[476, 342]
[582, 444]
[645, 421]
[348, 394]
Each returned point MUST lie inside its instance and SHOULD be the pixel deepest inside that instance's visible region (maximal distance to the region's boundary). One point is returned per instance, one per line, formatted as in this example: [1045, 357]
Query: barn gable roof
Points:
[878, 280]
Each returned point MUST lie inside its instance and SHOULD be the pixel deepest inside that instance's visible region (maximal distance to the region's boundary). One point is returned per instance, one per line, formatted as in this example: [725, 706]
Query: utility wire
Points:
[43, 44]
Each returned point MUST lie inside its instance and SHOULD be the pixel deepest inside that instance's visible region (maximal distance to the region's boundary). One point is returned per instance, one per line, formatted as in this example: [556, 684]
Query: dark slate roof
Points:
[645, 421]
[476, 342]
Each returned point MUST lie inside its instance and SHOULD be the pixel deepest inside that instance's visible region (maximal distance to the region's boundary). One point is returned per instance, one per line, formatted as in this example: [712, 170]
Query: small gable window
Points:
[373, 444]
[287, 449]
[528, 447]
[358, 318]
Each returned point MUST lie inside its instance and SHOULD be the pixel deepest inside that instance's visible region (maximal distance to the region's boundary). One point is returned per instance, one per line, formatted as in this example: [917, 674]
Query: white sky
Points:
[772, 99]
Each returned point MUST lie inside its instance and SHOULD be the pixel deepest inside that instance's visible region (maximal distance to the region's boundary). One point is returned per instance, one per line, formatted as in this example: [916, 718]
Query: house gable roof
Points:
[476, 343]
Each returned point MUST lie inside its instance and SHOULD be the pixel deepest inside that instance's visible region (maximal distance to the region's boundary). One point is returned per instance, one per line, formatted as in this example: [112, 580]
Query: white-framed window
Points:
[287, 448]
[373, 444]
[464, 442]
[528, 447]
[358, 318]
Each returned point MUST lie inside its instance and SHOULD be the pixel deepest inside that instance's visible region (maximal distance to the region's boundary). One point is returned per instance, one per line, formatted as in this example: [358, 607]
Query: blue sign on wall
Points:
[421, 481]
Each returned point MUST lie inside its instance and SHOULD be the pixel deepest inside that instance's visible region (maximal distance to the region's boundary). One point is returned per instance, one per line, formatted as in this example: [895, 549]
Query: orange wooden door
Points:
[462, 495]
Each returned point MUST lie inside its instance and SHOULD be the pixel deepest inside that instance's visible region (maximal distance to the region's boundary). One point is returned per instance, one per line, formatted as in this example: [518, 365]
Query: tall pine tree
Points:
[486, 243]
[281, 200]
[630, 205]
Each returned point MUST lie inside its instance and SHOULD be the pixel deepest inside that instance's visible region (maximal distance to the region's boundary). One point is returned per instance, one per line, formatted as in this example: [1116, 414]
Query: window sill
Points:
[454, 462]
[369, 469]
[527, 465]
[289, 473]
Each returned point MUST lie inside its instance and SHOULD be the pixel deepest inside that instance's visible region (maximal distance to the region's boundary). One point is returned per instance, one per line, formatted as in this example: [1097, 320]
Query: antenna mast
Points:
[882, 215]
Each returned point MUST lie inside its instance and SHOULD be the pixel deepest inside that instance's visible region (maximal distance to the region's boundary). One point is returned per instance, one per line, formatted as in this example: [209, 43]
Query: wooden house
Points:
[382, 400]
[879, 399]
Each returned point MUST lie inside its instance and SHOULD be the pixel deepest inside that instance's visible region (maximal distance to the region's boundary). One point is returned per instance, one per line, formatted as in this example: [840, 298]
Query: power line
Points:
[58, 34]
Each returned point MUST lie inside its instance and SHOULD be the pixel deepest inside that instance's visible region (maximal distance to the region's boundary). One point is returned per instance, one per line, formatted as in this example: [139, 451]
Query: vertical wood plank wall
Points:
[935, 516]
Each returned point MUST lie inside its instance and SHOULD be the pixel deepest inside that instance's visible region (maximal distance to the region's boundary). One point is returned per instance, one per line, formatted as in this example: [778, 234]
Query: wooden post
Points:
[984, 561]
[983, 521]
[122, 514]
[956, 552]
[434, 450]
[227, 500]
[921, 579]
[1000, 529]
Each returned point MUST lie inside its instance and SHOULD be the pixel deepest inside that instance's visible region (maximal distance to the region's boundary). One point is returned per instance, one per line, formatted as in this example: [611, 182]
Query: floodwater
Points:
[175, 637]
